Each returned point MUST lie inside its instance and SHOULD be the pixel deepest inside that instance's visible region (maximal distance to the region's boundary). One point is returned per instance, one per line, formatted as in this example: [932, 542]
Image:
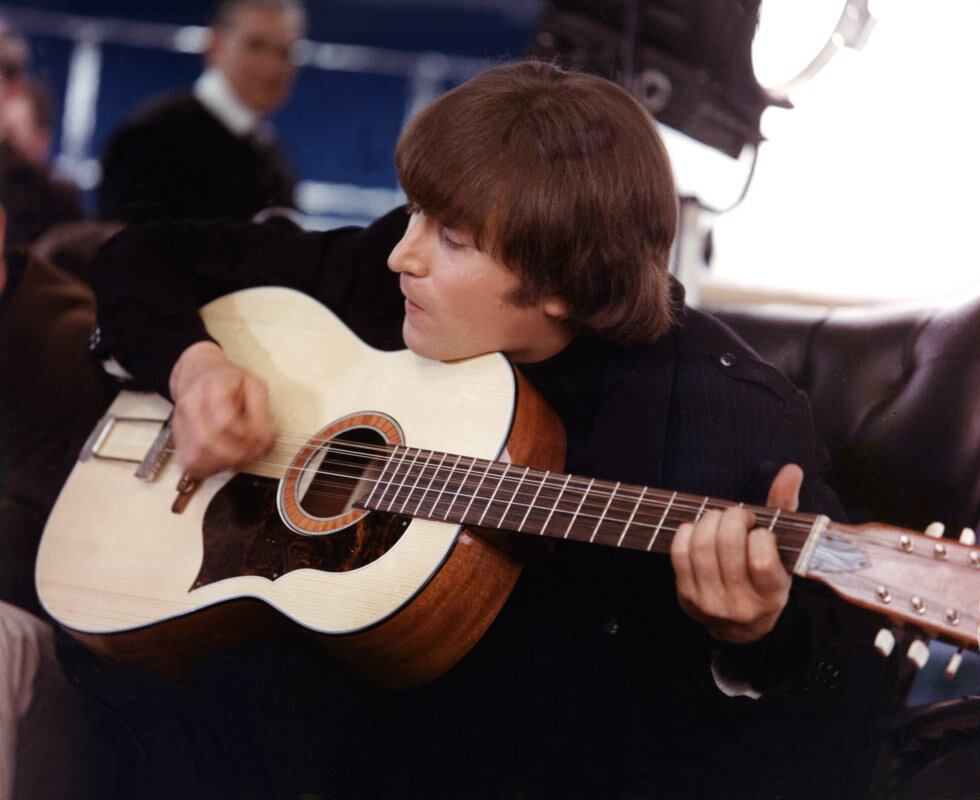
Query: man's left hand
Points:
[730, 578]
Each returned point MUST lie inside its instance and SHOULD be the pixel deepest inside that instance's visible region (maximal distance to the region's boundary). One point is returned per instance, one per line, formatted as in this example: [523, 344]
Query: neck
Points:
[556, 337]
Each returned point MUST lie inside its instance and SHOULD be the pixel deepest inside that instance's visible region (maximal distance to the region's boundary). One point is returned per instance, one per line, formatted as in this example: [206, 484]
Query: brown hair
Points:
[563, 177]
[225, 10]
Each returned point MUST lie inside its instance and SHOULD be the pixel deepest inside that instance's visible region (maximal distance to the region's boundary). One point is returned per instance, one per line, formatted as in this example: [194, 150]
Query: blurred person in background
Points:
[209, 153]
[14, 55]
[34, 198]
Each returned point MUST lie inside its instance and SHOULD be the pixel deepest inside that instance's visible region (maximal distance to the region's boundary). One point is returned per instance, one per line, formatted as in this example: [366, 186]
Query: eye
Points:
[453, 239]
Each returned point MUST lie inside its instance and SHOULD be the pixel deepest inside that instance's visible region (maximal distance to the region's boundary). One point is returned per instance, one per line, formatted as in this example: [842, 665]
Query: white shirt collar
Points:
[214, 92]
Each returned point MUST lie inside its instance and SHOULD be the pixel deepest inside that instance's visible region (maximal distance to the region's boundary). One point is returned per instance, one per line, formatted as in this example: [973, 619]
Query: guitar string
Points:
[668, 527]
[802, 522]
[785, 526]
[464, 494]
[389, 450]
[602, 495]
[668, 522]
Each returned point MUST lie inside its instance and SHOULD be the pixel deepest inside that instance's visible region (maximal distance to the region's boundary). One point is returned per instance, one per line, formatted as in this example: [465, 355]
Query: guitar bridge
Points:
[152, 461]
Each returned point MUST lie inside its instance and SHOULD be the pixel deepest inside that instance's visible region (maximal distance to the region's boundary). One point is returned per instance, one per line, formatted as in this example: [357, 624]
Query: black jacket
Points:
[174, 160]
[592, 682]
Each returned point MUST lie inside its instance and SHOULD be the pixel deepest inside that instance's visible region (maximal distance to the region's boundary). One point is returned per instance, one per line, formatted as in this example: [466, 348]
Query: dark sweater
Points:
[33, 198]
[174, 160]
[592, 682]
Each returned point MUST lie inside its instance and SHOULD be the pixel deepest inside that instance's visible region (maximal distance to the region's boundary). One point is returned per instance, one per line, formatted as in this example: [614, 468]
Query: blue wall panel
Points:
[343, 126]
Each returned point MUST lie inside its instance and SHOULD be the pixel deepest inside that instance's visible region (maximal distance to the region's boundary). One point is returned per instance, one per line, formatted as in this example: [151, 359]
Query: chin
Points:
[430, 347]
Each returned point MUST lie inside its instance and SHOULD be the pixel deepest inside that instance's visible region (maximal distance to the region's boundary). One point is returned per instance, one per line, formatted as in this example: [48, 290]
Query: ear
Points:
[555, 307]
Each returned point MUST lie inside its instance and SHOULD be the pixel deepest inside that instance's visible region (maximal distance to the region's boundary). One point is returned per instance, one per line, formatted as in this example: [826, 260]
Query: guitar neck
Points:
[495, 494]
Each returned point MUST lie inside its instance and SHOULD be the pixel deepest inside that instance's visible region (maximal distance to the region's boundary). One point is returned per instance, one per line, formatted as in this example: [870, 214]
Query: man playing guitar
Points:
[541, 216]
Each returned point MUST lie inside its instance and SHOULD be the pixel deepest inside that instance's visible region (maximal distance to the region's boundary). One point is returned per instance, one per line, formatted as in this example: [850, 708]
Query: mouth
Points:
[412, 308]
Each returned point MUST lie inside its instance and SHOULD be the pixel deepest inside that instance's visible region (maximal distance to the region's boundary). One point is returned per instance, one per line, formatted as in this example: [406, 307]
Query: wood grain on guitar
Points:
[370, 522]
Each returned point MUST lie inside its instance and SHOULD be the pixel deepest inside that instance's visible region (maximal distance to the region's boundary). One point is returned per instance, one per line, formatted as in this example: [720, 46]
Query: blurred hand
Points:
[730, 579]
[221, 414]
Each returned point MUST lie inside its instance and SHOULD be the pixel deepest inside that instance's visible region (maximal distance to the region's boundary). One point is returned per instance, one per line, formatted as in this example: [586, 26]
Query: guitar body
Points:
[400, 600]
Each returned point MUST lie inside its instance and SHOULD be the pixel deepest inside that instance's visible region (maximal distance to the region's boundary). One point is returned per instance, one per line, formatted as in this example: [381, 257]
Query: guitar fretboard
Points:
[495, 494]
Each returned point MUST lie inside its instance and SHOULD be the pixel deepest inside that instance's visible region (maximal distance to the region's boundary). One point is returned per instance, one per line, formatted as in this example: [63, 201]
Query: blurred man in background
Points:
[209, 153]
[34, 199]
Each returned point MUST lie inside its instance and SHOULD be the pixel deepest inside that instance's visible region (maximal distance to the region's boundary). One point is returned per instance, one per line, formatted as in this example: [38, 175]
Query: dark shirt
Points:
[34, 200]
[174, 160]
[592, 682]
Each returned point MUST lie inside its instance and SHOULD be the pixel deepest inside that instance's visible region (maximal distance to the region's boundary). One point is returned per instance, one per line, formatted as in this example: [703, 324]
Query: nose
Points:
[409, 254]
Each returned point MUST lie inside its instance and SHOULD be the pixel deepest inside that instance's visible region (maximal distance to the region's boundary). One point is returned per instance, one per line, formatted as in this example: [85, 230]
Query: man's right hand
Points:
[221, 416]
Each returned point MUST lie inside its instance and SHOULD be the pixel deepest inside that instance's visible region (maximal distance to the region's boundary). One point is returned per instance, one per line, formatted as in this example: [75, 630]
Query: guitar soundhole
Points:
[341, 472]
[260, 526]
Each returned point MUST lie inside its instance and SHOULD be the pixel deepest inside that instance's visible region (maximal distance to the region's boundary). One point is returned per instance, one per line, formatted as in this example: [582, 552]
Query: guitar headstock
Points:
[923, 580]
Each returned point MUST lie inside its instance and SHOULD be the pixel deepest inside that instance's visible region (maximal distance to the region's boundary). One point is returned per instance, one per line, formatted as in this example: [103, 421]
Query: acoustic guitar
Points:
[374, 523]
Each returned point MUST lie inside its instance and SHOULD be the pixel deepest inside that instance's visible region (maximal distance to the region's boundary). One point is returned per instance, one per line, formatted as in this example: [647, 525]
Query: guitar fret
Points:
[663, 517]
[774, 518]
[579, 509]
[416, 486]
[629, 522]
[427, 488]
[408, 474]
[517, 488]
[557, 501]
[445, 483]
[476, 492]
[380, 478]
[533, 500]
[394, 474]
[602, 516]
[500, 483]
[697, 519]
[462, 483]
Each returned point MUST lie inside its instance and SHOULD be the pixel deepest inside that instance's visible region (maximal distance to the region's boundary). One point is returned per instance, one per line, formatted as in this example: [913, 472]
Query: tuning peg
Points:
[968, 537]
[885, 642]
[918, 653]
[935, 530]
[954, 664]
